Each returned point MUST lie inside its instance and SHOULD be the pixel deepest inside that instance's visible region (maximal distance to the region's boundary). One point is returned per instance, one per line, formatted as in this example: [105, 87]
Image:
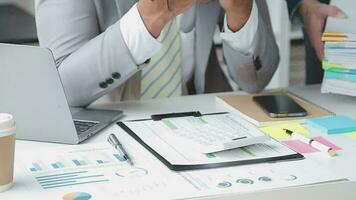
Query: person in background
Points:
[313, 14]
[128, 49]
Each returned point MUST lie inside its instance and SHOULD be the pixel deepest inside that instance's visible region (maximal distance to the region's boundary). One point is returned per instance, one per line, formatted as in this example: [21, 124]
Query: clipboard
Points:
[197, 166]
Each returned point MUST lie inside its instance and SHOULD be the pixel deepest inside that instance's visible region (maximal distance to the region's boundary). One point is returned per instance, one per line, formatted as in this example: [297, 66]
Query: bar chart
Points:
[68, 167]
[35, 167]
[70, 179]
[75, 161]
[80, 162]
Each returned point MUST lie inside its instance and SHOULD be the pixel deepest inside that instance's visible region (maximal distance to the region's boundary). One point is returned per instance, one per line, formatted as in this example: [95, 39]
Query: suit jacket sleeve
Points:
[85, 57]
[252, 72]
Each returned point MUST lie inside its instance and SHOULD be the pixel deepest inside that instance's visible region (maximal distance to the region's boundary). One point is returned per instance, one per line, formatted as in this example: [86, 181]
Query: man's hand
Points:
[237, 12]
[314, 15]
[157, 13]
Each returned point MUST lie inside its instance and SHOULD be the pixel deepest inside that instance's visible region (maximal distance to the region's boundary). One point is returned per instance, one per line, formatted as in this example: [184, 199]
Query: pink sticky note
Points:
[300, 146]
[326, 142]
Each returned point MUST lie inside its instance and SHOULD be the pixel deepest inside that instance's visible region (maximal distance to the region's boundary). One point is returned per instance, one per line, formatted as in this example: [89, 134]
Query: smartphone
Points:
[280, 106]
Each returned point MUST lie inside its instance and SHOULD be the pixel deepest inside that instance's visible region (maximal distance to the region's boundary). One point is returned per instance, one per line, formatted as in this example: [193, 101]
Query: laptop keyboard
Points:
[83, 126]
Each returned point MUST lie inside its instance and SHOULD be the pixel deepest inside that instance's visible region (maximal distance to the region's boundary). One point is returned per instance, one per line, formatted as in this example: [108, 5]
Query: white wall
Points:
[281, 27]
[27, 5]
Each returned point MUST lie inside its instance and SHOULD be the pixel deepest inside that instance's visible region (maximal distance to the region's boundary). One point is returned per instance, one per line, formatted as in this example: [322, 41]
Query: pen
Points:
[315, 144]
[112, 139]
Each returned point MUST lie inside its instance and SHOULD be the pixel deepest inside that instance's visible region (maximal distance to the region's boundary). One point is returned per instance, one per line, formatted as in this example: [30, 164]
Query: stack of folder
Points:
[340, 51]
[339, 63]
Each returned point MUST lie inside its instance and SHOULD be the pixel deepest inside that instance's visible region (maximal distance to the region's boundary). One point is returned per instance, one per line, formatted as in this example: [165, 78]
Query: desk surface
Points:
[345, 163]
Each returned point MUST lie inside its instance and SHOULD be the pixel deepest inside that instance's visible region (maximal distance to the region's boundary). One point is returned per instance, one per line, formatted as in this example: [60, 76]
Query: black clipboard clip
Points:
[159, 117]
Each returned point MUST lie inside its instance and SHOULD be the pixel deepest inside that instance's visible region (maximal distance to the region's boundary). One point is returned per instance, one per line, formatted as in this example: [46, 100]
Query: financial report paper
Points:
[161, 136]
[100, 173]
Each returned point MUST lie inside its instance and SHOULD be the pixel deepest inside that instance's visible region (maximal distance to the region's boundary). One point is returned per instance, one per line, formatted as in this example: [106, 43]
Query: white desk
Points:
[345, 163]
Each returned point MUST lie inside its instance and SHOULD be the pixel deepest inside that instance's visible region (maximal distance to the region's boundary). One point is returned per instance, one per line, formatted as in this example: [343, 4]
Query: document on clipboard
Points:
[164, 137]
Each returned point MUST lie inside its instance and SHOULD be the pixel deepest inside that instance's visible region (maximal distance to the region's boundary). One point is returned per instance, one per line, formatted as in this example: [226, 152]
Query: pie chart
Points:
[224, 184]
[291, 178]
[77, 196]
[245, 181]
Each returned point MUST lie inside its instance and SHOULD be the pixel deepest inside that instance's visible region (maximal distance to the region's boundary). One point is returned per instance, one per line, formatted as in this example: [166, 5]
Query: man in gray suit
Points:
[126, 49]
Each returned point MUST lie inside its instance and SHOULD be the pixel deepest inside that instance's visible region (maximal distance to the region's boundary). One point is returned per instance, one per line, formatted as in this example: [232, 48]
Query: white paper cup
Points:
[7, 151]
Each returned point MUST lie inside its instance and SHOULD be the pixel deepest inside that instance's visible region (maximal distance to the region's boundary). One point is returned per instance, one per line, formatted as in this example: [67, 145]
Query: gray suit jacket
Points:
[86, 41]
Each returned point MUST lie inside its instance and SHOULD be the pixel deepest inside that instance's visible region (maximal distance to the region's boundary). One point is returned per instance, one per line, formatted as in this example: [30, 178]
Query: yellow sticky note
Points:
[277, 132]
[353, 134]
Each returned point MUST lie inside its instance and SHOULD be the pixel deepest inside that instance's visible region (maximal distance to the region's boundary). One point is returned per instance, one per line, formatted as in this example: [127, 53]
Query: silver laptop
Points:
[31, 90]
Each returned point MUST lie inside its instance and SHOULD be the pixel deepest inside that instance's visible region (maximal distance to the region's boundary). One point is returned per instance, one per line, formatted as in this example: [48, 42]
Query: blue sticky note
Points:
[334, 124]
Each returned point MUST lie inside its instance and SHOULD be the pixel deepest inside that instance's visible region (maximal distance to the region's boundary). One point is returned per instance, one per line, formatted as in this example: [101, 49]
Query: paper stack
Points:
[339, 64]
[340, 52]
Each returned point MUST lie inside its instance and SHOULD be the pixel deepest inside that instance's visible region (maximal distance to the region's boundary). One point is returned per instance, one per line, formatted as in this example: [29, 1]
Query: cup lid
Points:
[6, 121]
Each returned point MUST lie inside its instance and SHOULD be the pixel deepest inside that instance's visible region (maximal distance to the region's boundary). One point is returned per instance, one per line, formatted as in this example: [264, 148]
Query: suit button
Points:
[103, 85]
[148, 61]
[116, 75]
[257, 63]
[109, 81]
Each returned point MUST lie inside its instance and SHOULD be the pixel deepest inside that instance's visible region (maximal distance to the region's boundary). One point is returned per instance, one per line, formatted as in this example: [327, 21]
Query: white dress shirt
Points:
[143, 45]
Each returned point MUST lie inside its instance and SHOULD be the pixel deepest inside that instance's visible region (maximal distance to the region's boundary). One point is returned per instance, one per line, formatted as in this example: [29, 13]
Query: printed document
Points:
[161, 136]
[97, 171]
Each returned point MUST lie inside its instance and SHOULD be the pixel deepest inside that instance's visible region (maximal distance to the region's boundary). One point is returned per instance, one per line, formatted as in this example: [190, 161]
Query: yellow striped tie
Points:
[162, 77]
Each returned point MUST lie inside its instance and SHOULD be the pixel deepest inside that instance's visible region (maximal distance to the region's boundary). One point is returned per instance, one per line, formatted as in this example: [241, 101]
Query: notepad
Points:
[334, 124]
[353, 134]
[277, 132]
[302, 147]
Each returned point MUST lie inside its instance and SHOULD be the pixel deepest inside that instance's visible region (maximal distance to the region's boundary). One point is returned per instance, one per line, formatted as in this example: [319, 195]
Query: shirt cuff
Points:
[135, 34]
[242, 40]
